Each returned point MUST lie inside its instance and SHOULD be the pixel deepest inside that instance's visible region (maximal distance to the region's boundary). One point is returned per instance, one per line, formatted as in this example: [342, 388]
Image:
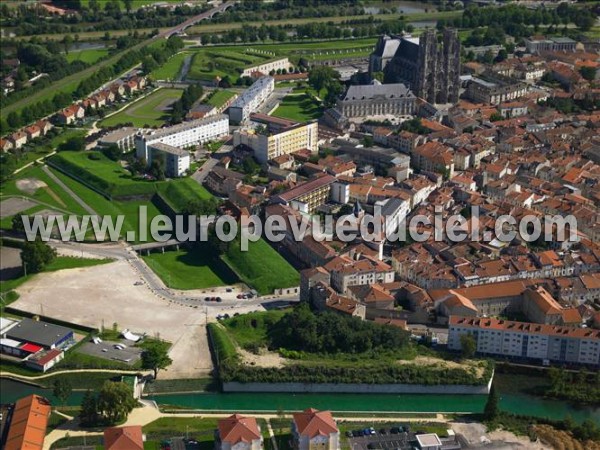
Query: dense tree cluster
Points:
[112, 404]
[579, 387]
[376, 373]
[36, 255]
[181, 107]
[414, 126]
[327, 332]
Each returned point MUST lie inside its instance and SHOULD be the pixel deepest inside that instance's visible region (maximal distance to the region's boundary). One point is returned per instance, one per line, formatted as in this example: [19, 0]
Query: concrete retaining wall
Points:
[356, 388]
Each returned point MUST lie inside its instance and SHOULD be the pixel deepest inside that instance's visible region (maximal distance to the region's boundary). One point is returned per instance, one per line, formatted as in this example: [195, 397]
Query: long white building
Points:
[524, 340]
[177, 160]
[178, 137]
[251, 99]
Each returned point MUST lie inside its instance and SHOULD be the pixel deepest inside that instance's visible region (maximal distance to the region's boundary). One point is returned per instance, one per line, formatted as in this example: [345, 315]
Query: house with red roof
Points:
[238, 432]
[315, 429]
[28, 424]
[124, 438]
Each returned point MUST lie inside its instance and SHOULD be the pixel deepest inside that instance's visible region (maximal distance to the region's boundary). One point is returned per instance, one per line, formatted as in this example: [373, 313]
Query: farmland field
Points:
[151, 111]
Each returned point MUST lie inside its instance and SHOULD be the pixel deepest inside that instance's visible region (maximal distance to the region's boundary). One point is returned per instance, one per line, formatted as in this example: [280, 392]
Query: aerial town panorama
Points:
[299, 224]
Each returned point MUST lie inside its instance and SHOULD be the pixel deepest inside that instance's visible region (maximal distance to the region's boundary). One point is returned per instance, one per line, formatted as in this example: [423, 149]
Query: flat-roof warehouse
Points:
[43, 334]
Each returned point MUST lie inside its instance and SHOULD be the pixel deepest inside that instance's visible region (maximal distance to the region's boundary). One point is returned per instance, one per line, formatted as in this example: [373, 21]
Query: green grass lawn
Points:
[178, 193]
[190, 269]
[261, 267]
[89, 56]
[170, 69]
[298, 107]
[220, 97]
[200, 429]
[103, 173]
[153, 110]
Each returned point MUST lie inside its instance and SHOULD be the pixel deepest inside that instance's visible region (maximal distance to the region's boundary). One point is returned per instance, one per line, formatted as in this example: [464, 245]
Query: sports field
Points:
[190, 269]
[152, 110]
[88, 56]
[299, 107]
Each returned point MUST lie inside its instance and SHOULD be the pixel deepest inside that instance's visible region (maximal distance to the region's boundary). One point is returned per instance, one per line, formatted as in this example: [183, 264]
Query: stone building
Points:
[429, 68]
[377, 99]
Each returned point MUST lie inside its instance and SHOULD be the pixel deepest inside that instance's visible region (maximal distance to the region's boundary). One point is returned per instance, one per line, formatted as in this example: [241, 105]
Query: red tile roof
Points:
[28, 424]
[312, 422]
[124, 438]
[237, 428]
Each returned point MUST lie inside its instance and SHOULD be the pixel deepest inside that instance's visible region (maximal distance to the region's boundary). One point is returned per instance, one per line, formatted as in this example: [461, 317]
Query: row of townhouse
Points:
[524, 340]
[19, 138]
[105, 97]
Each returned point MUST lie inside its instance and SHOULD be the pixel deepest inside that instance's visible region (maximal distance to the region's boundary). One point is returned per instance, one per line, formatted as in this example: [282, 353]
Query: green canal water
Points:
[511, 400]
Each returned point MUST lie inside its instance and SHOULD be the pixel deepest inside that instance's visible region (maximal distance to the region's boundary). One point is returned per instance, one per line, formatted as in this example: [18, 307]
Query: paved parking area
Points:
[381, 441]
[107, 350]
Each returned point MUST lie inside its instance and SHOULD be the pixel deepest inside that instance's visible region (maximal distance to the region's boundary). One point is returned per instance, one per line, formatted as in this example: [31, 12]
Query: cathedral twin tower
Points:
[428, 65]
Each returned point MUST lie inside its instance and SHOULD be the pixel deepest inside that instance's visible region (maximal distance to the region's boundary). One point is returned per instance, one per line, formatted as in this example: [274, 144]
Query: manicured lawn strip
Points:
[180, 385]
[199, 429]
[221, 344]
[178, 193]
[105, 207]
[170, 69]
[261, 267]
[104, 174]
[88, 56]
[298, 107]
[59, 263]
[220, 97]
[190, 269]
[152, 110]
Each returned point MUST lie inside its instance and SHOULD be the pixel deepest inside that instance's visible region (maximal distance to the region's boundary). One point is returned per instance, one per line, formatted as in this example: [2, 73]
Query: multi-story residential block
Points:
[267, 145]
[251, 99]
[172, 139]
[377, 100]
[177, 160]
[308, 196]
[313, 429]
[123, 138]
[267, 67]
[238, 432]
[434, 157]
[524, 340]
[349, 271]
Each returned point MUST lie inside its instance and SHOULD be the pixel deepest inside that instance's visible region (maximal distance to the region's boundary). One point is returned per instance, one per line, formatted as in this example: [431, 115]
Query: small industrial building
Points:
[42, 334]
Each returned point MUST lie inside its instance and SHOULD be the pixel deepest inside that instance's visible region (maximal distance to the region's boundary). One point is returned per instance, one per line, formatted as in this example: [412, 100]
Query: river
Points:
[511, 400]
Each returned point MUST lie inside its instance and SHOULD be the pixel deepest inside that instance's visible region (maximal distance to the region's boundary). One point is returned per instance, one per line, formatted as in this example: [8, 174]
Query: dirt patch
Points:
[30, 185]
[477, 436]
[12, 206]
[430, 361]
[265, 359]
[562, 440]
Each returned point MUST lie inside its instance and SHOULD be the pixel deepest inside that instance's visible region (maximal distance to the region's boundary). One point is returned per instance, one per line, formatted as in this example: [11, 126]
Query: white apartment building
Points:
[251, 99]
[526, 340]
[271, 145]
[177, 160]
[182, 135]
[267, 67]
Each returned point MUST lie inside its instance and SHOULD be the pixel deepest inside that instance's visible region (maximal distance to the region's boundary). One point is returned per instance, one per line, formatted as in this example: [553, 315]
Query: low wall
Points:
[331, 388]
